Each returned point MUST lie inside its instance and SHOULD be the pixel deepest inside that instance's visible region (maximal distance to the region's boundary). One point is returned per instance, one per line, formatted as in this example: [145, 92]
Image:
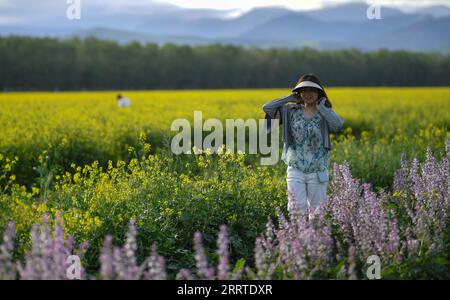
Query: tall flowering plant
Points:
[406, 227]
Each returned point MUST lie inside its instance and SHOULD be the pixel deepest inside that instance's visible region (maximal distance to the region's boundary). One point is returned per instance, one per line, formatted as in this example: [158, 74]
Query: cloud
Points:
[294, 4]
[5, 2]
[247, 4]
[8, 20]
[54, 11]
[50, 11]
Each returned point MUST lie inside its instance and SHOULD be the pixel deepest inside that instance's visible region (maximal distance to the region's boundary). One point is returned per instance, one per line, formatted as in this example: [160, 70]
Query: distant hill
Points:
[354, 12]
[125, 37]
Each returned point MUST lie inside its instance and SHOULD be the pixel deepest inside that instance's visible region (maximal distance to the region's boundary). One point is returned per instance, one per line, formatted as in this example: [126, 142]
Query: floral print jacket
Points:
[307, 152]
[331, 122]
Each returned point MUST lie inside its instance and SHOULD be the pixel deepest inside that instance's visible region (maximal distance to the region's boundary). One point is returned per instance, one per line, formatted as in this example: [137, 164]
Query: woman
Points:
[306, 126]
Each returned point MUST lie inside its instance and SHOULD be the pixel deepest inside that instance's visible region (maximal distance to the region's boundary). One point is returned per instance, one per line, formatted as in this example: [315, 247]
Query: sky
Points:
[293, 4]
[21, 11]
[242, 4]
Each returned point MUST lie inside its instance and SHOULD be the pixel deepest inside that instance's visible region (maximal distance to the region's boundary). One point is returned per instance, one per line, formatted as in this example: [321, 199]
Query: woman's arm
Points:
[273, 106]
[269, 121]
[335, 122]
[273, 110]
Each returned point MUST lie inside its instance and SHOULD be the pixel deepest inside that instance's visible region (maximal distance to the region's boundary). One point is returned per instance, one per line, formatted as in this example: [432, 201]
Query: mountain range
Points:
[336, 27]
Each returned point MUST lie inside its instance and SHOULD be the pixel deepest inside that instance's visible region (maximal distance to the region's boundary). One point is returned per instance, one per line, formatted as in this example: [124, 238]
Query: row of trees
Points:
[28, 63]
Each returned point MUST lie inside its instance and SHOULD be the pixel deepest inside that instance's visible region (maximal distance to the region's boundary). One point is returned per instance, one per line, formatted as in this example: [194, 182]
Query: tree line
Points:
[29, 63]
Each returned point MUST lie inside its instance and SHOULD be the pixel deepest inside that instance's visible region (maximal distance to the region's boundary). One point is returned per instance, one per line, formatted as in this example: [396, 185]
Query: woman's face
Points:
[309, 95]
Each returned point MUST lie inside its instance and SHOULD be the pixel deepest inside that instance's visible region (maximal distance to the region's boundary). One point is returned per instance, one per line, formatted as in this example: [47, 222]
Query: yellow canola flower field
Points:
[89, 126]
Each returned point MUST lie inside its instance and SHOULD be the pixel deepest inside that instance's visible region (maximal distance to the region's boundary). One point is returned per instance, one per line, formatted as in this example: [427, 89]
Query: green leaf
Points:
[240, 264]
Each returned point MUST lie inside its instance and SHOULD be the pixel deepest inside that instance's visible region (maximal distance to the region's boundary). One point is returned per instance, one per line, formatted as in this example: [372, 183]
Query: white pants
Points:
[306, 188]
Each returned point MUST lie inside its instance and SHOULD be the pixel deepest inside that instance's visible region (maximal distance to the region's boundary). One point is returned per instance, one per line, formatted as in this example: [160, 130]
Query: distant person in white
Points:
[123, 101]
